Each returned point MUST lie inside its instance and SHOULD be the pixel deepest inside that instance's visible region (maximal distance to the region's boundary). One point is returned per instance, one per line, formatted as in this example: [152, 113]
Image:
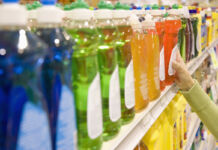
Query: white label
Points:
[144, 86]
[171, 71]
[34, 133]
[114, 96]
[129, 86]
[162, 65]
[198, 42]
[66, 122]
[94, 110]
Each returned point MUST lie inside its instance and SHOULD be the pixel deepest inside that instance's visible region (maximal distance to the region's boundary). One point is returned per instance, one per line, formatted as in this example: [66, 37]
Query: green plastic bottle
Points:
[126, 74]
[86, 77]
[109, 73]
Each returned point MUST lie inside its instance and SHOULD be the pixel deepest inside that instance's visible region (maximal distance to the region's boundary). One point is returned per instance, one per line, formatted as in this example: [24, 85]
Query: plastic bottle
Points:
[139, 64]
[194, 21]
[86, 76]
[159, 23]
[109, 71]
[56, 80]
[209, 26]
[198, 40]
[152, 57]
[152, 137]
[172, 26]
[181, 35]
[24, 123]
[126, 74]
[203, 30]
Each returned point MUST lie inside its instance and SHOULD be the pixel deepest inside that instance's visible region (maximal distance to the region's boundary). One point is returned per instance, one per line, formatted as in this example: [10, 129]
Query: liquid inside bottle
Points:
[152, 58]
[172, 27]
[109, 72]
[139, 65]
[56, 80]
[126, 74]
[23, 119]
[86, 83]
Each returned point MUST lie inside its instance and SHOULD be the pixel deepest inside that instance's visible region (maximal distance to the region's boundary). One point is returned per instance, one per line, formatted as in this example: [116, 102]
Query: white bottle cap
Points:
[81, 14]
[134, 22]
[103, 14]
[49, 14]
[149, 22]
[13, 14]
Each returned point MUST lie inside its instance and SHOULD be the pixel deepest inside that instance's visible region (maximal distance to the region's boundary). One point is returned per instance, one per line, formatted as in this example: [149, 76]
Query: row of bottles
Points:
[76, 76]
[170, 129]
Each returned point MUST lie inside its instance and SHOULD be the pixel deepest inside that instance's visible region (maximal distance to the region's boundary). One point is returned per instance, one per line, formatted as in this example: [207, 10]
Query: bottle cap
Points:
[80, 4]
[134, 22]
[148, 22]
[49, 13]
[103, 5]
[11, 13]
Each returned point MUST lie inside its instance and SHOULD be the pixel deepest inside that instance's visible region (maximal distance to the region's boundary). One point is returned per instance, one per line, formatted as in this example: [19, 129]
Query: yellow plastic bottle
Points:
[151, 138]
[209, 28]
[165, 131]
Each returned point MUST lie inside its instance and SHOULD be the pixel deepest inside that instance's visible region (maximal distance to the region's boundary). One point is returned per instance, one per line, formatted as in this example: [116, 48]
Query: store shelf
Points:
[131, 134]
[195, 122]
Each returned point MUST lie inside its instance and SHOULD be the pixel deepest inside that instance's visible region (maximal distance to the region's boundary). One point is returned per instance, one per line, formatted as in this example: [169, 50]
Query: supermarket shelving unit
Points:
[131, 134]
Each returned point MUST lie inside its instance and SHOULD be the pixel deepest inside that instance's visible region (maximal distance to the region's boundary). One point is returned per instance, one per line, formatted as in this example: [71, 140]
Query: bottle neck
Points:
[48, 25]
[104, 23]
[13, 28]
[121, 22]
[79, 24]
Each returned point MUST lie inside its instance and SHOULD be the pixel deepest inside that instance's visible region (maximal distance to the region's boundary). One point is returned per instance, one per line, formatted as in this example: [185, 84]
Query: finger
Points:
[176, 65]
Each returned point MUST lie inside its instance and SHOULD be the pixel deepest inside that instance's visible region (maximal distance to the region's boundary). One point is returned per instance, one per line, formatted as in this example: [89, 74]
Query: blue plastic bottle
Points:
[56, 76]
[24, 122]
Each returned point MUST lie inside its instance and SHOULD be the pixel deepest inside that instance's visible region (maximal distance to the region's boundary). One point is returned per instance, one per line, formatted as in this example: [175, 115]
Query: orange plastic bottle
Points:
[152, 58]
[159, 23]
[172, 26]
[139, 65]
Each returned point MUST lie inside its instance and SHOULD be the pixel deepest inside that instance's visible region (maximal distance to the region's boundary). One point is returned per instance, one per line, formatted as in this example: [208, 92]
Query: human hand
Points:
[183, 79]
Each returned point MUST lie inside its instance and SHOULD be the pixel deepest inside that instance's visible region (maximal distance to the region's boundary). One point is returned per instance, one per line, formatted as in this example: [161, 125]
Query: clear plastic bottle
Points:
[109, 72]
[126, 74]
[139, 64]
[172, 27]
[152, 57]
[56, 82]
[86, 77]
[159, 23]
[23, 119]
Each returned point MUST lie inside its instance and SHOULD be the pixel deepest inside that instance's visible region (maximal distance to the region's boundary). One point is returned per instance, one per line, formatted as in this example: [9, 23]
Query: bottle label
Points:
[198, 42]
[162, 65]
[34, 130]
[94, 110]
[171, 71]
[144, 86]
[129, 86]
[66, 125]
[114, 96]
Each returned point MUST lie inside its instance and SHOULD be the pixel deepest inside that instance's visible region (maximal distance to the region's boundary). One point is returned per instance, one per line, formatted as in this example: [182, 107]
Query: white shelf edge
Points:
[130, 135]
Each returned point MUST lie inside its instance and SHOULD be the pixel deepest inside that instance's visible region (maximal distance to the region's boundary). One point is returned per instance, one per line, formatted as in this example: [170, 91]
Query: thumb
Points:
[176, 66]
